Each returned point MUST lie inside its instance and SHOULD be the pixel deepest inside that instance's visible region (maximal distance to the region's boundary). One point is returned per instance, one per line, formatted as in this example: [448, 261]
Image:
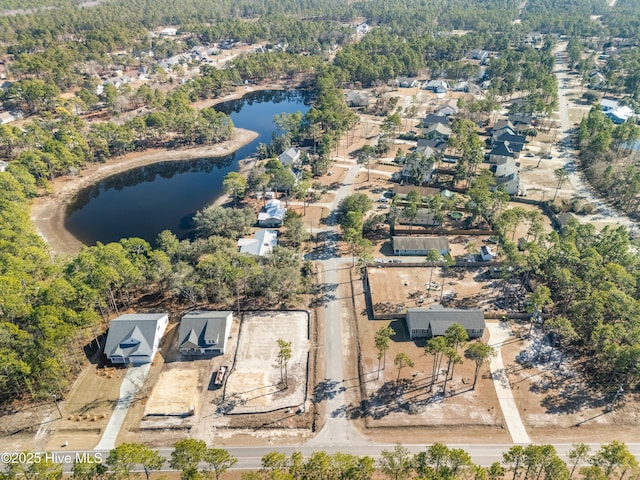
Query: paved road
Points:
[337, 429]
[500, 333]
[249, 458]
[575, 177]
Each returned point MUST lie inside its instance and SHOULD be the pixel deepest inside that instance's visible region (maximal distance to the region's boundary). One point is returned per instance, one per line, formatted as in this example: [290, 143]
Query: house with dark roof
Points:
[424, 218]
[434, 321]
[401, 191]
[204, 332]
[507, 135]
[420, 245]
[500, 151]
[437, 144]
[272, 215]
[134, 338]
[434, 118]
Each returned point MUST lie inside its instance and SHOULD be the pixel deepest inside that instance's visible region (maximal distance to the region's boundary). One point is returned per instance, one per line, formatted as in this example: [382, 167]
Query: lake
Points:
[165, 196]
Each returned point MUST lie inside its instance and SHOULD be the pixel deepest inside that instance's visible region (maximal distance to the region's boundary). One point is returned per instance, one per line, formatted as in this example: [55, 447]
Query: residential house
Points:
[424, 218]
[437, 144]
[420, 245]
[362, 28]
[272, 215]
[566, 219]
[609, 104]
[356, 99]
[486, 254]
[407, 82]
[401, 191]
[520, 120]
[434, 321]
[506, 134]
[500, 150]
[134, 338]
[479, 54]
[262, 243]
[501, 124]
[7, 117]
[450, 107]
[467, 87]
[621, 114]
[597, 81]
[504, 167]
[510, 183]
[418, 169]
[437, 130]
[434, 118]
[436, 86]
[290, 157]
[204, 332]
[168, 32]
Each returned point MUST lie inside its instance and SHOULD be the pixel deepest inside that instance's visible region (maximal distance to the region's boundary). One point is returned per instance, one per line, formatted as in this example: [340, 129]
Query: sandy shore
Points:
[48, 212]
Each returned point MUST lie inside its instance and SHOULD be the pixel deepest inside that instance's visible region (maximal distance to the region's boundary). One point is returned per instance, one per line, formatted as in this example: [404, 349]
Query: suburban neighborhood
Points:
[438, 254]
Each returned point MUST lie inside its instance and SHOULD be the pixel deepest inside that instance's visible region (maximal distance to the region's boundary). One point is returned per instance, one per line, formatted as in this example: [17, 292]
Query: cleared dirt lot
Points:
[254, 383]
[414, 410]
[394, 288]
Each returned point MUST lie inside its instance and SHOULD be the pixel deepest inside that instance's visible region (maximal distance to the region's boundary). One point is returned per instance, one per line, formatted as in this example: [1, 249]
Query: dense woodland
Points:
[56, 305]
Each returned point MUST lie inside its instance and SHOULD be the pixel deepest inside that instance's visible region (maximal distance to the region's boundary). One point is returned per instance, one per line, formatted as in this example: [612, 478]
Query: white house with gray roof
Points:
[434, 321]
[204, 332]
[134, 338]
[262, 243]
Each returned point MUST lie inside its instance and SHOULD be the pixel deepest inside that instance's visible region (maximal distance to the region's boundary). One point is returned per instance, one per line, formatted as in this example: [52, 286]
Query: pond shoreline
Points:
[48, 212]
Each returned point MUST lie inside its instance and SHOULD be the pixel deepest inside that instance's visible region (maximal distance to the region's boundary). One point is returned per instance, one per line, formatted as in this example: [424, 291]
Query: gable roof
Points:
[502, 149]
[424, 216]
[132, 334]
[438, 143]
[421, 243]
[434, 118]
[438, 129]
[272, 210]
[438, 318]
[261, 244]
[202, 329]
[289, 156]
[403, 190]
[509, 136]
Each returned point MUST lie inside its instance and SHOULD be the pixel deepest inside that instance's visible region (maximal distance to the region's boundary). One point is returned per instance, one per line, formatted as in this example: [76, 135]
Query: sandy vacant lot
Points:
[163, 399]
[254, 383]
[393, 288]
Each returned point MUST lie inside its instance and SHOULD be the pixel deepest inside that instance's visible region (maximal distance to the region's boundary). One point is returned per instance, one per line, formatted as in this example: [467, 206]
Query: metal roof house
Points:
[272, 215]
[204, 332]
[420, 245]
[261, 244]
[434, 321]
[290, 156]
[134, 338]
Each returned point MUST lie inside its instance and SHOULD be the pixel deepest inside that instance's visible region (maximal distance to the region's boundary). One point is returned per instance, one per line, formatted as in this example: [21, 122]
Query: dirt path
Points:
[48, 212]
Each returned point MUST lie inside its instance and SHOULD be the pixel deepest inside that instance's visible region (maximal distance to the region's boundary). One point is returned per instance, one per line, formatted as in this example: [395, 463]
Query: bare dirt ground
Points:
[411, 409]
[254, 385]
[406, 286]
[555, 399]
